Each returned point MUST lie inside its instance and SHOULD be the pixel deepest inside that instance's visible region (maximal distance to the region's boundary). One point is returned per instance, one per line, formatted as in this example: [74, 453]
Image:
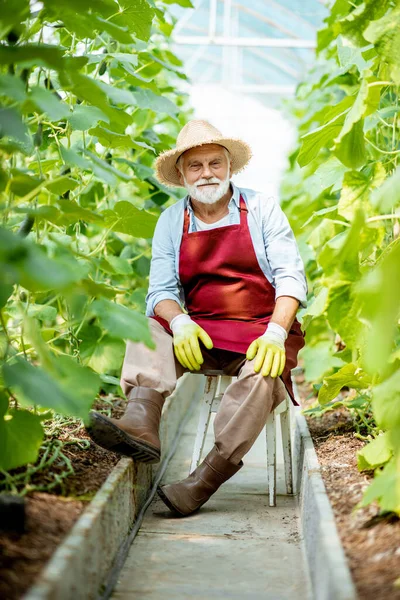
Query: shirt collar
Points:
[235, 199]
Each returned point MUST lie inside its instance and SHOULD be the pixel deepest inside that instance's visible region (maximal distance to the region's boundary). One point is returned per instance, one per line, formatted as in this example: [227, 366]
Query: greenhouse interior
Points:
[151, 150]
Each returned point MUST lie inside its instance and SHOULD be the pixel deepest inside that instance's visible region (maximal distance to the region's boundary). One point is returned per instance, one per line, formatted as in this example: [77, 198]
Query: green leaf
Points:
[318, 360]
[137, 15]
[70, 390]
[349, 55]
[316, 308]
[29, 55]
[121, 322]
[385, 488]
[47, 102]
[121, 34]
[326, 230]
[387, 196]
[62, 185]
[72, 209]
[375, 454]
[42, 312]
[350, 376]
[119, 265]
[85, 117]
[184, 3]
[118, 95]
[23, 262]
[21, 183]
[104, 171]
[343, 312]
[141, 145]
[110, 139]
[354, 24]
[351, 149]
[378, 295]
[92, 288]
[12, 15]
[11, 125]
[126, 218]
[356, 190]
[85, 88]
[386, 403]
[354, 194]
[384, 33]
[322, 137]
[101, 353]
[5, 292]
[125, 57]
[73, 159]
[356, 112]
[12, 87]
[146, 99]
[21, 435]
[328, 175]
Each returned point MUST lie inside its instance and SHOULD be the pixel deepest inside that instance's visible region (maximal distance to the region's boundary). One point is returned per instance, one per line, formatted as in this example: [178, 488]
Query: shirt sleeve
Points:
[283, 254]
[163, 282]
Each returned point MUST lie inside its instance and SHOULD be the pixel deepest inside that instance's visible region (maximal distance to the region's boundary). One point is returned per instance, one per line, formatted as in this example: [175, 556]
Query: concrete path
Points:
[235, 547]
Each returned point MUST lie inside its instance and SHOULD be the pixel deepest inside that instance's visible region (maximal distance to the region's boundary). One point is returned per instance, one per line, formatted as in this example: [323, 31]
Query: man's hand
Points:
[186, 341]
[269, 351]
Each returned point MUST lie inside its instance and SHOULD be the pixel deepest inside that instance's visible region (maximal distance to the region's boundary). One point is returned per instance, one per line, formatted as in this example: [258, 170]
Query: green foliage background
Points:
[342, 196]
[88, 95]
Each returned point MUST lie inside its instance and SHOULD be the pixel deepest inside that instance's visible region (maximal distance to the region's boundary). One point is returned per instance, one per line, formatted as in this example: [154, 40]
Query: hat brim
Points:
[165, 164]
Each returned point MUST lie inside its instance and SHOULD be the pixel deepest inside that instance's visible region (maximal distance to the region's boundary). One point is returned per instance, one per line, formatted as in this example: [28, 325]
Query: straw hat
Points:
[198, 133]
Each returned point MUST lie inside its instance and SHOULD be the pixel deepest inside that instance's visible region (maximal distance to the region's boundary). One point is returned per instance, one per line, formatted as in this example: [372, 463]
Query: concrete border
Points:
[86, 564]
[327, 564]
[83, 564]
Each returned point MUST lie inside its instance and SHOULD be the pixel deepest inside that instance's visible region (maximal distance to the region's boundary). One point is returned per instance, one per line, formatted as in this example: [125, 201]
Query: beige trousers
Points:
[245, 405]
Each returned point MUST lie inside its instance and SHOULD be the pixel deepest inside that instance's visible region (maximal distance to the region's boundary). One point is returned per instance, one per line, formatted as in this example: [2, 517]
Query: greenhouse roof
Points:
[263, 47]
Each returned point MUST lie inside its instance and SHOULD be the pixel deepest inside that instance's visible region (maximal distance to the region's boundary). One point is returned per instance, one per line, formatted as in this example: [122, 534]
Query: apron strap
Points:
[243, 210]
[186, 221]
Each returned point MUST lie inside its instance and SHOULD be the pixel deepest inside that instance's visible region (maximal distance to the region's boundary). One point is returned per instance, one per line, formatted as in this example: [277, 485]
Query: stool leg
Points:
[224, 382]
[271, 458]
[204, 419]
[287, 448]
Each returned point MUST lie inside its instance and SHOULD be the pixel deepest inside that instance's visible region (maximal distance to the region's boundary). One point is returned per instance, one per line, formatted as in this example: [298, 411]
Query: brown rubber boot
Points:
[136, 433]
[186, 496]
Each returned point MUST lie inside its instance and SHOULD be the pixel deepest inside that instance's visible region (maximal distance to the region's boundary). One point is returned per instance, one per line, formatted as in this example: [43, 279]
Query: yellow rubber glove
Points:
[269, 351]
[186, 341]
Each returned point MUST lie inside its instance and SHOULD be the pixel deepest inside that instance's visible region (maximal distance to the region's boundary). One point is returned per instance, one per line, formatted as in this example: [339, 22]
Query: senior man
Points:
[226, 281]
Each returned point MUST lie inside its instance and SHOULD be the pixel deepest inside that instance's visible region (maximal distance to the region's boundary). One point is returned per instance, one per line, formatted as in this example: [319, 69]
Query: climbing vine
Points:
[89, 93]
[342, 195]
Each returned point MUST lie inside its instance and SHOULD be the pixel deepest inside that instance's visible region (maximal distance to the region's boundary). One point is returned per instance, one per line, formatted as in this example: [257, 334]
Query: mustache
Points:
[206, 181]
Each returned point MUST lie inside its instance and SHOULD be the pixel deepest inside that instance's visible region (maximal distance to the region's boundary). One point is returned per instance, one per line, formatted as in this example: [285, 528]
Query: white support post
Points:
[250, 42]
[212, 26]
[271, 458]
[287, 446]
[204, 419]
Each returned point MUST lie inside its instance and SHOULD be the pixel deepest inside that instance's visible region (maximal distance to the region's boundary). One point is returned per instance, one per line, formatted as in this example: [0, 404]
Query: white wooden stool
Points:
[215, 386]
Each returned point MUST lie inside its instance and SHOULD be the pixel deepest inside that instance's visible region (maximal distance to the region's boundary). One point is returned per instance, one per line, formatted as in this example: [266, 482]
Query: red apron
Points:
[227, 293]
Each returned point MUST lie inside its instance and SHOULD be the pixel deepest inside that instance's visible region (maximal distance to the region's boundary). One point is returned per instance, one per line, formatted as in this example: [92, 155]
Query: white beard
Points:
[208, 195]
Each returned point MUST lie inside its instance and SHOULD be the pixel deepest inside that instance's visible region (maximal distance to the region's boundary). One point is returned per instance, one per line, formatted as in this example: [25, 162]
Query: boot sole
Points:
[109, 436]
[167, 501]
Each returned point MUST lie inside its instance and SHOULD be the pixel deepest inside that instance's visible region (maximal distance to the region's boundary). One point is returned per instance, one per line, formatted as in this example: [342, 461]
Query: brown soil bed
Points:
[50, 516]
[371, 543]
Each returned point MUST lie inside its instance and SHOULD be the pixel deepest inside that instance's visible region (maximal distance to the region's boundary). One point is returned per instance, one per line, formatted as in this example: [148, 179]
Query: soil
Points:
[371, 542]
[50, 516]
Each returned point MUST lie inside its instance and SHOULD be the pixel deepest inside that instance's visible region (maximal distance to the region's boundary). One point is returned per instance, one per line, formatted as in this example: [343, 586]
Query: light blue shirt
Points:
[273, 240]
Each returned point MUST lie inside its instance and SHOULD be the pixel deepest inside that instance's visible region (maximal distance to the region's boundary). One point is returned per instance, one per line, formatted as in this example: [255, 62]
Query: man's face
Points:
[205, 173]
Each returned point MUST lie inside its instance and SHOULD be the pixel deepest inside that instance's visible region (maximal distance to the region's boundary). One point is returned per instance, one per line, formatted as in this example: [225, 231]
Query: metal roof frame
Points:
[233, 44]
